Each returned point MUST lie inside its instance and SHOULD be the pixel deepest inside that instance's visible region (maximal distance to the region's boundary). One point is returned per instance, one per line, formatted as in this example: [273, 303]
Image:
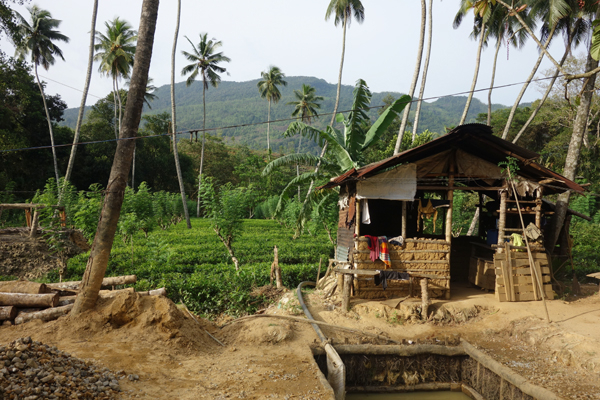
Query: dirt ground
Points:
[268, 358]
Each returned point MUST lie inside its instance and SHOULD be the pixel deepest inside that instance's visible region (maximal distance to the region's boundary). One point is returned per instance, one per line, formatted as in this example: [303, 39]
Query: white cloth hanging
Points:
[366, 217]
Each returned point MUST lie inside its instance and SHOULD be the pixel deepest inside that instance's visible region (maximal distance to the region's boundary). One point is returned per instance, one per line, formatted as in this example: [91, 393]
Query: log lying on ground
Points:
[110, 281]
[156, 292]
[107, 294]
[24, 300]
[66, 300]
[44, 315]
[23, 287]
[7, 312]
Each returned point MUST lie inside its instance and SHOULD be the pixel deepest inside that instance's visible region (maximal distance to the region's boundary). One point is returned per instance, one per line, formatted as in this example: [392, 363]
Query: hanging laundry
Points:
[517, 240]
[384, 276]
[426, 212]
[366, 217]
[373, 242]
[384, 254]
[398, 240]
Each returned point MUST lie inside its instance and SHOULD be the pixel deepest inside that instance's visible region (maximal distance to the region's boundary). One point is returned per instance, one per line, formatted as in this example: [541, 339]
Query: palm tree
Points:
[425, 69]
[38, 37]
[413, 84]
[343, 10]
[345, 148]
[88, 79]
[205, 61]
[115, 51]
[173, 121]
[305, 107]
[268, 89]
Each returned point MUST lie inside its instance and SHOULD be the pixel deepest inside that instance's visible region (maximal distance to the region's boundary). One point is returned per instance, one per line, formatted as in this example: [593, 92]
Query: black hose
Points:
[306, 312]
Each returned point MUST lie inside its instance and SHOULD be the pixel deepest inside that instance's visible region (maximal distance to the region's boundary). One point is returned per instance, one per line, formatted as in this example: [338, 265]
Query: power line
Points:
[190, 131]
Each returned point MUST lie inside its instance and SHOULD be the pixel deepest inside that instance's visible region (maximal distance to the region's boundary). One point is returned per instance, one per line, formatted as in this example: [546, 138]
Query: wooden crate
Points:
[482, 273]
[514, 280]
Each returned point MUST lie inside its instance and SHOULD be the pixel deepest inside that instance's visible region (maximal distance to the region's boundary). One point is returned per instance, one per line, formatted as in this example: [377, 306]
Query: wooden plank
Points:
[523, 271]
[508, 270]
[518, 297]
[524, 279]
[523, 254]
[397, 252]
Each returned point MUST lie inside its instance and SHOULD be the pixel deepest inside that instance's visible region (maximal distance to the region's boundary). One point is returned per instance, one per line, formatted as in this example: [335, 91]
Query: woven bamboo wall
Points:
[416, 257]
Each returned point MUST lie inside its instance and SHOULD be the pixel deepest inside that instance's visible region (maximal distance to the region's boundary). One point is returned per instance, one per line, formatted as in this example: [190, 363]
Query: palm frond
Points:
[291, 159]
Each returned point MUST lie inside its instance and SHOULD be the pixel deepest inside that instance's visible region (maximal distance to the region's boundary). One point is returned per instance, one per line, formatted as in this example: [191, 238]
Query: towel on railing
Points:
[384, 253]
[398, 240]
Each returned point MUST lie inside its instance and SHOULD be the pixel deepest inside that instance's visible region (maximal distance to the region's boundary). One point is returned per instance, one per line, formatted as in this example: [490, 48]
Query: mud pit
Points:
[270, 358]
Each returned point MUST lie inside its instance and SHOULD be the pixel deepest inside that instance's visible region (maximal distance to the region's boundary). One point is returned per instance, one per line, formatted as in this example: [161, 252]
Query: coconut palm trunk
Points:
[489, 107]
[572, 159]
[204, 143]
[543, 99]
[107, 225]
[86, 87]
[415, 78]
[115, 108]
[49, 123]
[425, 69]
[174, 118]
[513, 110]
[475, 75]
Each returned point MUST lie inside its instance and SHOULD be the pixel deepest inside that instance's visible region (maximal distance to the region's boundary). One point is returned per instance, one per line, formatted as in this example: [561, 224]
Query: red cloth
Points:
[373, 246]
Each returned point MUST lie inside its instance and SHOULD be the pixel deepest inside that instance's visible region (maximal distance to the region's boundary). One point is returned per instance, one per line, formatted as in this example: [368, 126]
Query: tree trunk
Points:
[298, 169]
[335, 107]
[572, 159]
[475, 75]
[269, 128]
[49, 125]
[544, 97]
[513, 110]
[24, 300]
[174, 121]
[107, 226]
[425, 69]
[8, 312]
[474, 222]
[45, 315]
[203, 143]
[133, 167]
[227, 243]
[489, 114]
[120, 104]
[276, 270]
[415, 78]
[86, 87]
[115, 108]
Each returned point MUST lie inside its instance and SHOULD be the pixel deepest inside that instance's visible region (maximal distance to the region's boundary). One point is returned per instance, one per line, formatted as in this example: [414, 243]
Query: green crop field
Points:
[195, 267]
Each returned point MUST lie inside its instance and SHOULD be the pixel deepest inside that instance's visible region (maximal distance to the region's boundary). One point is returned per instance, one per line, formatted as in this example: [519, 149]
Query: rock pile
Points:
[31, 370]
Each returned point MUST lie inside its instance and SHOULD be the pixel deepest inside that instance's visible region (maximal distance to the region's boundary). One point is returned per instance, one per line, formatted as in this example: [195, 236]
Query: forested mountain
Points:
[238, 103]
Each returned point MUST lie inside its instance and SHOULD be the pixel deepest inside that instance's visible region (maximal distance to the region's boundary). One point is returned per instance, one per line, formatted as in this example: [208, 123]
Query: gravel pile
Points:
[31, 370]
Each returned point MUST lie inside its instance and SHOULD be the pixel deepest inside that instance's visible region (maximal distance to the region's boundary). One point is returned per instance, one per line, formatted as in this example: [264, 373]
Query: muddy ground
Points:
[263, 358]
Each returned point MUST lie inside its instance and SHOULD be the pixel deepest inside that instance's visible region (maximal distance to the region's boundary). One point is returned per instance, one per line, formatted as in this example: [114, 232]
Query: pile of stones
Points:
[31, 370]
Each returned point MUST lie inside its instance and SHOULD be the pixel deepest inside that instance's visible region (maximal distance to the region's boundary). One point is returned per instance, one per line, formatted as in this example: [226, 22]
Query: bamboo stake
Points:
[534, 271]
[319, 270]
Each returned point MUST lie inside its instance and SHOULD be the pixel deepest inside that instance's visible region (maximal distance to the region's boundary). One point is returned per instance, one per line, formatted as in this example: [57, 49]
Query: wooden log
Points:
[419, 387]
[44, 315]
[319, 271]
[34, 224]
[507, 374]
[424, 299]
[25, 300]
[8, 312]
[23, 287]
[66, 300]
[346, 292]
[156, 292]
[108, 294]
[109, 281]
[22, 206]
[469, 391]
[395, 350]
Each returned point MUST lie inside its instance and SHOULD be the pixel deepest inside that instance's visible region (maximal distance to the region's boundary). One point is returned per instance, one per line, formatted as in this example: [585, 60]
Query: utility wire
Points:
[188, 131]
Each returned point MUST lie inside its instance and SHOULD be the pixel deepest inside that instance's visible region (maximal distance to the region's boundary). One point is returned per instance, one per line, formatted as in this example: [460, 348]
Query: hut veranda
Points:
[395, 219]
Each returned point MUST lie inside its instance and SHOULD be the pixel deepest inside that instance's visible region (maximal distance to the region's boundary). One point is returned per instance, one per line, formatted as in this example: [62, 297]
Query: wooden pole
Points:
[538, 208]
[404, 213]
[358, 217]
[346, 291]
[319, 270]
[424, 299]
[501, 221]
[34, 223]
[45, 315]
[534, 271]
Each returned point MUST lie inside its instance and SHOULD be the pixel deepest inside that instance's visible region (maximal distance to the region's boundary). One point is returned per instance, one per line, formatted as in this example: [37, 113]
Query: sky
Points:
[296, 37]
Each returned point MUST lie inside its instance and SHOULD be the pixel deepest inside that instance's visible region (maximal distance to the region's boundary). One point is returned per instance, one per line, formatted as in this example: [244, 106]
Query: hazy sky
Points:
[295, 37]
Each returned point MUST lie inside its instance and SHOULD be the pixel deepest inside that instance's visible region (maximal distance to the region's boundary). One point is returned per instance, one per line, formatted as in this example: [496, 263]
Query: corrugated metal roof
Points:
[476, 139]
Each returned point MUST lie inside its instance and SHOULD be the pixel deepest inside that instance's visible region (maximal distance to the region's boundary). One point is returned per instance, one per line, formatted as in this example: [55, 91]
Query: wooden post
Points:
[357, 224]
[502, 221]
[480, 227]
[538, 208]
[319, 271]
[346, 291]
[449, 209]
[424, 299]
[34, 223]
[276, 271]
[404, 219]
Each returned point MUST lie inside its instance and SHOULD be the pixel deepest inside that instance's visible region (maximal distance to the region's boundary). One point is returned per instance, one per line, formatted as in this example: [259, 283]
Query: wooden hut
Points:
[403, 196]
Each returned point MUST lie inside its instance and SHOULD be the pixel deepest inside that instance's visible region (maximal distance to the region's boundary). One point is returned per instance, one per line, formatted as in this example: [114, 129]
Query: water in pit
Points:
[442, 395]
